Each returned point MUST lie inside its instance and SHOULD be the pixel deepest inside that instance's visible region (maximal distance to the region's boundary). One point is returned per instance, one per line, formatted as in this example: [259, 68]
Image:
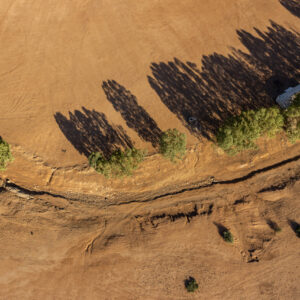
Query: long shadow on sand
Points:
[136, 117]
[295, 227]
[293, 6]
[89, 131]
[225, 85]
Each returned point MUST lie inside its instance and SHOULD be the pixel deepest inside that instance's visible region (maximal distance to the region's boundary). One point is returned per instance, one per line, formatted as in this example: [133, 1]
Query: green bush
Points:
[173, 144]
[227, 236]
[191, 285]
[5, 154]
[120, 163]
[240, 132]
[277, 229]
[292, 120]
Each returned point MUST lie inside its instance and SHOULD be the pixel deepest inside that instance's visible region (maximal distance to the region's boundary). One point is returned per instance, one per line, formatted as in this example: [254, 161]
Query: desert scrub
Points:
[191, 285]
[173, 144]
[292, 120]
[5, 154]
[227, 236]
[239, 133]
[119, 164]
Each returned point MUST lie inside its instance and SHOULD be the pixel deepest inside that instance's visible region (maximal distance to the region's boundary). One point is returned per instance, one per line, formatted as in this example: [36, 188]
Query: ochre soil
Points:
[55, 56]
[60, 248]
[69, 233]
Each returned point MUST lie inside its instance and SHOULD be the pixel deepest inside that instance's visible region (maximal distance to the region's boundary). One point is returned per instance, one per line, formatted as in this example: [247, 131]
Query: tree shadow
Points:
[225, 85]
[295, 227]
[221, 229]
[89, 131]
[272, 53]
[277, 84]
[273, 225]
[292, 5]
[135, 116]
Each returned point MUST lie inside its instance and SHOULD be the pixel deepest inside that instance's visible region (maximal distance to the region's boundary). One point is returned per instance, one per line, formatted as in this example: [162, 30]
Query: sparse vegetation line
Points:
[122, 163]
[210, 182]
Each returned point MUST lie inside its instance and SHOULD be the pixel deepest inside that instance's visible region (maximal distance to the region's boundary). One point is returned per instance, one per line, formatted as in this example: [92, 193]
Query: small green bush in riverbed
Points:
[5, 154]
[191, 285]
[227, 236]
[120, 163]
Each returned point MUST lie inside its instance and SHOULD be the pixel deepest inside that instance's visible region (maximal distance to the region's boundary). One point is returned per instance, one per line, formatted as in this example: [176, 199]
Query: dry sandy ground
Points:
[58, 249]
[55, 56]
[84, 237]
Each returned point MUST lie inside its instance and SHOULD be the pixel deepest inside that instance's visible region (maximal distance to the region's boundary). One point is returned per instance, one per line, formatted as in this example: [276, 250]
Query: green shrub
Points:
[240, 132]
[191, 285]
[277, 229]
[227, 236]
[173, 144]
[271, 121]
[292, 120]
[5, 154]
[120, 163]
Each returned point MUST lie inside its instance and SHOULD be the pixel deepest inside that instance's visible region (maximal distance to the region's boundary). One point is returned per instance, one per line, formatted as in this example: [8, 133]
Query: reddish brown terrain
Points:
[88, 75]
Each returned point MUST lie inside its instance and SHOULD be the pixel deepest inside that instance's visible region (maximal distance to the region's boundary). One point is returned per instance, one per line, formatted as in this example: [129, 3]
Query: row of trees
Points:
[240, 132]
[122, 163]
